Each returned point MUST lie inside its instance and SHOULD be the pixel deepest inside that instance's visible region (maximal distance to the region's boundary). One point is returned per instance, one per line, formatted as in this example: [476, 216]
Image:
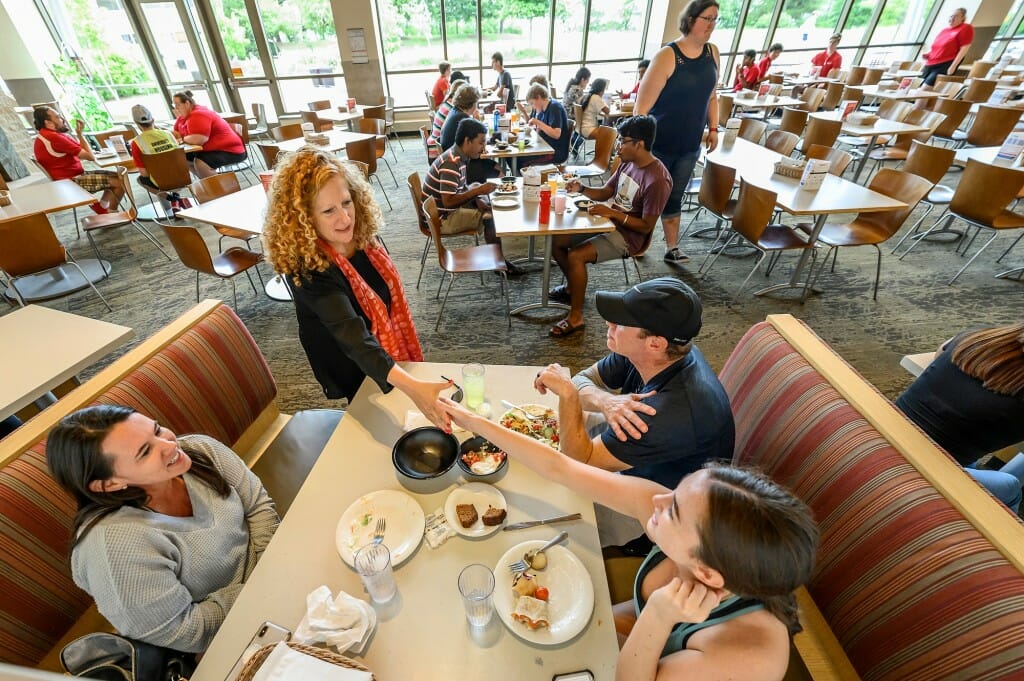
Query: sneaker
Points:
[184, 203]
[674, 255]
[98, 208]
[513, 270]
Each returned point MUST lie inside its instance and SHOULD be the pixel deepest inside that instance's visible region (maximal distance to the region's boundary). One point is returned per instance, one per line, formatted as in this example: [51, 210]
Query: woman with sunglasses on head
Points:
[678, 89]
[714, 598]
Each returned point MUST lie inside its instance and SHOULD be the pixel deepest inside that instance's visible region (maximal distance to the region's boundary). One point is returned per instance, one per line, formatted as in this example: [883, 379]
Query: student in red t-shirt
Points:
[198, 125]
[766, 61]
[948, 48]
[60, 156]
[830, 59]
[442, 84]
[747, 73]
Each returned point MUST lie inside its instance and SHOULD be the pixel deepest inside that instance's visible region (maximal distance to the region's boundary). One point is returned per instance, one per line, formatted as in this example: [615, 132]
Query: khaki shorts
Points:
[609, 246]
[462, 220]
[96, 180]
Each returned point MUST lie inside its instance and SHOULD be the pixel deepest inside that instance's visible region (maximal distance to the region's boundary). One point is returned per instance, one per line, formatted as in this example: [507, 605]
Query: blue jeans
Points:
[680, 167]
[1004, 486]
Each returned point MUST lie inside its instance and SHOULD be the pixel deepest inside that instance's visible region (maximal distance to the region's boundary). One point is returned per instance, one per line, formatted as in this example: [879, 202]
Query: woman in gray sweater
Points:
[168, 529]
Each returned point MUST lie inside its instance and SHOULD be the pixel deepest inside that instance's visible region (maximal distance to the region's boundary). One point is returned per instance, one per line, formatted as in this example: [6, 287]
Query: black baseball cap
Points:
[665, 306]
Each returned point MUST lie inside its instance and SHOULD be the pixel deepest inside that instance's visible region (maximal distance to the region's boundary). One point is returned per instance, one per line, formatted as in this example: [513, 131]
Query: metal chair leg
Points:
[423, 261]
[197, 286]
[234, 293]
[878, 271]
[913, 227]
[445, 301]
[974, 257]
[946, 218]
[95, 290]
[374, 176]
[252, 283]
[1010, 247]
[99, 256]
[752, 270]
[146, 233]
[714, 255]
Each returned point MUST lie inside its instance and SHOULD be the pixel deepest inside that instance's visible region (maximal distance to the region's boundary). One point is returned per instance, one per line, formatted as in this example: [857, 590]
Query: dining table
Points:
[422, 632]
[523, 219]
[535, 146]
[341, 115]
[336, 141]
[756, 164]
[883, 126]
[42, 348]
[242, 210]
[906, 94]
[744, 100]
[53, 197]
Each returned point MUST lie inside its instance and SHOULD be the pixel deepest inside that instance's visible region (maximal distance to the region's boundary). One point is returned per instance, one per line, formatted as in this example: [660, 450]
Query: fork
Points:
[523, 566]
[528, 415]
[378, 531]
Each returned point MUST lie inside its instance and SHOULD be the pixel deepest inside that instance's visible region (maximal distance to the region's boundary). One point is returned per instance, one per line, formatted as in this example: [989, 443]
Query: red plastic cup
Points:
[266, 177]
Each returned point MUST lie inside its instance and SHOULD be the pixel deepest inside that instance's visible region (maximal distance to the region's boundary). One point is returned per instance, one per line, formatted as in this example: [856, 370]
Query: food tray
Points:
[789, 169]
[256, 661]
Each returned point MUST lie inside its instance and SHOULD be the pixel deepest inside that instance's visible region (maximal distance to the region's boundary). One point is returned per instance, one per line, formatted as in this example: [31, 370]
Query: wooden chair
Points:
[943, 78]
[468, 260]
[430, 102]
[990, 128]
[289, 131]
[775, 78]
[979, 90]
[931, 163]
[792, 120]
[259, 126]
[194, 254]
[726, 103]
[366, 151]
[270, 153]
[319, 125]
[856, 76]
[169, 171]
[955, 111]
[28, 245]
[416, 192]
[872, 229]
[245, 164]
[900, 148]
[604, 145]
[380, 111]
[833, 95]
[432, 149]
[751, 221]
[854, 94]
[873, 76]
[839, 158]
[820, 131]
[214, 187]
[812, 98]
[378, 127]
[980, 69]
[389, 118]
[319, 105]
[101, 137]
[716, 183]
[96, 223]
[752, 129]
[781, 142]
[999, 185]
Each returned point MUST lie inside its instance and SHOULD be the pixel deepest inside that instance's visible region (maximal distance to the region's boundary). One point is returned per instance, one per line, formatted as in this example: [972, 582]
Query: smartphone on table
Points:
[268, 633]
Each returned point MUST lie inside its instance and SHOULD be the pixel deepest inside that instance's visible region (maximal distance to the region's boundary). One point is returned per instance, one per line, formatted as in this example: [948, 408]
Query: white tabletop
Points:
[422, 634]
[523, 220]
[883, 126]
[242, 210]
[43, 347]
[769, 102]
[336, 141]
[45, 197]
[875, 92]
[537, 147]
[338, 116]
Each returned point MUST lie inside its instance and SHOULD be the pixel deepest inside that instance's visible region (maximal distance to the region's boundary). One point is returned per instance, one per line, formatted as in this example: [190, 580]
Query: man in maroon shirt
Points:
[60, 156]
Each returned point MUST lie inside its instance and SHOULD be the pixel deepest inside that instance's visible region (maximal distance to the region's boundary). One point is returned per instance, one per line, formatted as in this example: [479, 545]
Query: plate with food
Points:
[507, 188]
[543, 428]
[546, 607]
[480, 458]
[404, 519]
[584, 204]
[505, 202]
[476, 509]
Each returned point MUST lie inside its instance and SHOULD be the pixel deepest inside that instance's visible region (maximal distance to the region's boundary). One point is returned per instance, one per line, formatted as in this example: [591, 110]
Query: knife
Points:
[535, 523]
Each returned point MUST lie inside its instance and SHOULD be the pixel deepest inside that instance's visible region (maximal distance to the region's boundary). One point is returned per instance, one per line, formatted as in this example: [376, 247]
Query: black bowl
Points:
[477, 443]
[425, 453]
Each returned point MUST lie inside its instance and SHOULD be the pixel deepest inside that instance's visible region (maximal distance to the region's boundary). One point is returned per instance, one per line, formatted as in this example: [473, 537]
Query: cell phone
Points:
[267, 634]
[582, 675]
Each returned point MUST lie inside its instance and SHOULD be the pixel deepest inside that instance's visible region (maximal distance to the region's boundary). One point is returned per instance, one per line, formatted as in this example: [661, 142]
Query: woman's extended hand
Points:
[458, 414]
[426, 396]
[680, 601]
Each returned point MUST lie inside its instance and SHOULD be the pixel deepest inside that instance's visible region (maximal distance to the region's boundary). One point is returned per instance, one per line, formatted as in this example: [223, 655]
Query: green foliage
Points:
[80, 99]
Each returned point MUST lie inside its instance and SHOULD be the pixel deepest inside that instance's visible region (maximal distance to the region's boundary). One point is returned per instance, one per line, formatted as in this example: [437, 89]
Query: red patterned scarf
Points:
[395, 333]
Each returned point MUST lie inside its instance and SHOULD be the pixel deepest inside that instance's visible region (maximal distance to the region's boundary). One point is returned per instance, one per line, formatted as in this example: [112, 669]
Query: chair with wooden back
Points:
[102, 137]
[246, 163]
[793, 120]
[990, 128]
[821, 131]
[781, 142]
[366, 151]
[999, 185]
[833, 95]
[389, 118]
[775, 78]
[752, 129]
[415, 185]
[96, 223]
[716, 183]
[956, 111]
[857, 74]
[752, 222]
[838, 158]
[430, 102]
[812, 98]
[376, 111]
[873, 76]
[319, 125]
[288, 131]
[895, 110]
[194, 254]
[980, 68]
[214, 187]
[270, 153]
[900, 148]
[979, 90]
[872, 229]
[28, 245]
[853, 94]
[258, 126]
[319, 105]
[943, 78]
[604, 145]
[169, 171]
[726, 103]
[432, 149]
[931, 163]
[378, 127]
[467, 260]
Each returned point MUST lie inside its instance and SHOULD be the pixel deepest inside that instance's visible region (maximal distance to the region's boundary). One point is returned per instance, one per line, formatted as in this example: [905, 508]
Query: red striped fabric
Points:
[212, 380]
[911, 589]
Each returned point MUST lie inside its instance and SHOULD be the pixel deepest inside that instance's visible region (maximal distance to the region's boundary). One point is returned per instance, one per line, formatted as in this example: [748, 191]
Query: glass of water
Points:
[473, 384]
[476, 584]
[373, 563]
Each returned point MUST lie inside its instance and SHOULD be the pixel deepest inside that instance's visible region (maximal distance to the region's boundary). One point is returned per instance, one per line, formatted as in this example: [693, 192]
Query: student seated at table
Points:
[593, 106]
[464, 106]
[825, 62]
[60, 156]
[747, 73]
[442, 84]
[153, 140]
[548, 118]
[168, 528]
[765, 64]
[714, 598]
[639, 189]
[641, 69]
[221, 145]
[444, 110]
[503, 88]
[320, 234]
[970, 400]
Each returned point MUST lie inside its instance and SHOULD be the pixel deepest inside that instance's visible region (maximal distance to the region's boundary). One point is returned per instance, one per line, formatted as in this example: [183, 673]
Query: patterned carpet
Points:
[915, 310]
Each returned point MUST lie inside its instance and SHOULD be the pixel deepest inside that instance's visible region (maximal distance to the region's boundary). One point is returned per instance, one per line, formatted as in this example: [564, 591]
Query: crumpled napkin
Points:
[344, 622]
[285, 663]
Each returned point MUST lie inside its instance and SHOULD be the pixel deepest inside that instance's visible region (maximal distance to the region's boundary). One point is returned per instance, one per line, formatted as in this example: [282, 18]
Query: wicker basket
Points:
[863, 119]
[317, 139]
[789, 169]
[257, 659]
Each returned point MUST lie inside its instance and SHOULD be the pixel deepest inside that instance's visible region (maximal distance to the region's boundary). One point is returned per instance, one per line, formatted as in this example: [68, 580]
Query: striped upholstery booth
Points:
[919, 573]
[204, 374]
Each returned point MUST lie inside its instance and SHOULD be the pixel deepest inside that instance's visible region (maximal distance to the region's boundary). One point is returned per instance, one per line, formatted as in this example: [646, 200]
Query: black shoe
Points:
[513, 270]
[559, 294]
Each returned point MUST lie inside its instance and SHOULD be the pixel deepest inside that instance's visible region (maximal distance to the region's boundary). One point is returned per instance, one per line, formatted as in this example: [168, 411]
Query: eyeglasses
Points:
[627, 140]
[710, 20]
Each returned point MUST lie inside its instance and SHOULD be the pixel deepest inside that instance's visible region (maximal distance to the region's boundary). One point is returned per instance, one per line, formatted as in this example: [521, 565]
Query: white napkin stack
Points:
[285, 663]
[344, 622]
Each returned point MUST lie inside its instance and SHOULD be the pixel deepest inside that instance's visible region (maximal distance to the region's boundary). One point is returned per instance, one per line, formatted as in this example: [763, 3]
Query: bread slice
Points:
[467, 514]
[494, 516]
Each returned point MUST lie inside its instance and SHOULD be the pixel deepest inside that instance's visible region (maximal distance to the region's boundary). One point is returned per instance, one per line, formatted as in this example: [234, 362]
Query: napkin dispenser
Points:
[532, 181]
[814, 174]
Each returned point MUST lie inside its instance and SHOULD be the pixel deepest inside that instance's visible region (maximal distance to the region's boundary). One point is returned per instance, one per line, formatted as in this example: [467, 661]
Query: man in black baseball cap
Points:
[663, 411]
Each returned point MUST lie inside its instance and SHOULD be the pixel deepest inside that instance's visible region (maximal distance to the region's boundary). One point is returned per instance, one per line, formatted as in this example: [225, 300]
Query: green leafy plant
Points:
[80, 99]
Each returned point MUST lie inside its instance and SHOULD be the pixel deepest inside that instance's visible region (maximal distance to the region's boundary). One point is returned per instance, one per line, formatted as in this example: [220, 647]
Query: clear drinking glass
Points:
[559, 203]
[476, 584]
[373, 563]
[473, 384]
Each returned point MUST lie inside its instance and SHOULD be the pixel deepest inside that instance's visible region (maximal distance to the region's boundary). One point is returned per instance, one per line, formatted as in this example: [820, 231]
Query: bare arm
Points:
[86, 152]
[654, 81]
[198, 140]
[957, 59]
[621, 412]
[472, 191]
[713, 110]
[424, 395]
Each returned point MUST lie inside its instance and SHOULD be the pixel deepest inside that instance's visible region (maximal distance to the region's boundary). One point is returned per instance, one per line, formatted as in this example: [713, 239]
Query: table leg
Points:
[864, 159]
[276, 289]
[545, 285]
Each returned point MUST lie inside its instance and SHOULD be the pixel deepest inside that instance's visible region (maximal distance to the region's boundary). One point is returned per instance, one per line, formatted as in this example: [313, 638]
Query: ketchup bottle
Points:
[545, 205]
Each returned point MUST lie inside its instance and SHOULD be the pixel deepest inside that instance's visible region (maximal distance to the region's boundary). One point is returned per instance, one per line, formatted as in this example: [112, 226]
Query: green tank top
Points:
[734, 606]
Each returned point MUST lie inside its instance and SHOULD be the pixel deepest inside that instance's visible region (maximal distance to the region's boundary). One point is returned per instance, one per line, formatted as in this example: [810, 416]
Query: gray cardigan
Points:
[170, 581]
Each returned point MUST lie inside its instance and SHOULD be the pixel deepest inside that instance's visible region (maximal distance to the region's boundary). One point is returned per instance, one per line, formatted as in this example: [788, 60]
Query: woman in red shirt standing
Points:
[948, 48]
[200, 126]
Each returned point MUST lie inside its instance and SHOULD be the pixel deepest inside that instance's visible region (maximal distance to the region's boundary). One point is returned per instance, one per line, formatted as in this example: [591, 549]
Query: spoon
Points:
[457, 395]
[535, 558]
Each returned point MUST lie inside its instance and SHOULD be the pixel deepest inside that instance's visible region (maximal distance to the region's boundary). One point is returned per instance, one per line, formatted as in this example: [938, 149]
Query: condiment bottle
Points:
[545, 205]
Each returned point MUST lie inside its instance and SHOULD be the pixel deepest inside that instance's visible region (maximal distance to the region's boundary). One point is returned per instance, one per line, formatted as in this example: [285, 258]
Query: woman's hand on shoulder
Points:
[683, 601]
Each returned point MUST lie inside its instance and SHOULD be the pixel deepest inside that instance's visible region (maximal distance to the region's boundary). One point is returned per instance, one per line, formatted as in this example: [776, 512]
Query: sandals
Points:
[564, 329]
[559, 294]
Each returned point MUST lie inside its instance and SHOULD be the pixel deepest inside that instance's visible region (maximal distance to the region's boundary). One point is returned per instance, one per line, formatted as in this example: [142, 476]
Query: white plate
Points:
[498, 192]
[481, 495]
[506, 202]
[405, 523]
[513, 417]
[105, 154]
[570, 604]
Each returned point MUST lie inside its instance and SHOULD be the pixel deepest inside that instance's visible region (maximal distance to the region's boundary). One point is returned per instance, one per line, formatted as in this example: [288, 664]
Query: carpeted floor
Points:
[915, 310]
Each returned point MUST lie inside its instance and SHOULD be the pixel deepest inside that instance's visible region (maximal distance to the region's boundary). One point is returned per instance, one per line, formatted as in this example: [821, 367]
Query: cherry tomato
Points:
[541, 594]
